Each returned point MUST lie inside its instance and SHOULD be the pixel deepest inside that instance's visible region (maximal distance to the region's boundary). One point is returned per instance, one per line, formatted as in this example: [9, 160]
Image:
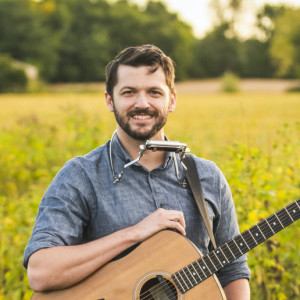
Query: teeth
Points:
[141, 117]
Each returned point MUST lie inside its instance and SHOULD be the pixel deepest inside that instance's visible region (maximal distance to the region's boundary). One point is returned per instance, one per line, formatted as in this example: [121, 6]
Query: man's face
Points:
[141, 102]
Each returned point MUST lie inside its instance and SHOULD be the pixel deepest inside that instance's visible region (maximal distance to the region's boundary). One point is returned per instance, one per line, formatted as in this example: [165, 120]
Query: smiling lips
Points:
[141, 117]
[142, 114]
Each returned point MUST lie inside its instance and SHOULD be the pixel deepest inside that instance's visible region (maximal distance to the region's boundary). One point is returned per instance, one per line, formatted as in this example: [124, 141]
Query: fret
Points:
[256, 234]
[294, 211]
[285, 217]
[297, 203]
[270, 226]
[279, 220]
[227, 252]
[219, 252]
[211, 267]
[266, 229]
[289, 215]
[261, 231]
[187, 276]
[242, 244]
[185, 279]
[230, 250]
[253, 237]
[204, 268]
[272, 220]
[237, 246]
[249, 239]
[215, 262]
[193, 274]
[178, 283]
[183, 282]
[234, 248]
[200, 268]
[216, 256]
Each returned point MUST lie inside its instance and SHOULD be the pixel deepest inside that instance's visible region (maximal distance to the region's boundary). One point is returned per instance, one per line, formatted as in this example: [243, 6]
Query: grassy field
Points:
[254, 138]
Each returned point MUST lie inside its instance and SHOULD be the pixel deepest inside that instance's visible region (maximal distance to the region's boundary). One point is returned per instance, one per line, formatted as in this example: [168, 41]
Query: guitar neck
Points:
[210, 263]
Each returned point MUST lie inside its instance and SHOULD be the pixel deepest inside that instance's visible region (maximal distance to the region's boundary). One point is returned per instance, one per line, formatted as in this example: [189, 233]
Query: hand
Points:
[157, 221]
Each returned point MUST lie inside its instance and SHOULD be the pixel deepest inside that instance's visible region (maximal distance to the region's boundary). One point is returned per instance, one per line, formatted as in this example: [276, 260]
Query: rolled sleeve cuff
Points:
[236, 270]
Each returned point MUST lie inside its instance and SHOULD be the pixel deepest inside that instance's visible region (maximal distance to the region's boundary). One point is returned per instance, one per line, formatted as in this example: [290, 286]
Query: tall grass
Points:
[254, 138]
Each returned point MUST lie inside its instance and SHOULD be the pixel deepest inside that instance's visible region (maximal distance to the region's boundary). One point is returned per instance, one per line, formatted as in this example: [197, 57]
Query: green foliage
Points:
[285, 47]
[12, 78]
[72, 41]
[25, 35]
[216, 54]
[230, 83]
[39, 133]
[255, 60]
[266, 185]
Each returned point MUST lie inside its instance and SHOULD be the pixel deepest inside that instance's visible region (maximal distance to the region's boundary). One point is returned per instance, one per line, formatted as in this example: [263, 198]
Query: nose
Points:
[141, 100]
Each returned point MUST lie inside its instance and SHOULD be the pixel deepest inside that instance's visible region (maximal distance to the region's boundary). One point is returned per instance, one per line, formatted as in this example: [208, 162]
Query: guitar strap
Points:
[195, 185]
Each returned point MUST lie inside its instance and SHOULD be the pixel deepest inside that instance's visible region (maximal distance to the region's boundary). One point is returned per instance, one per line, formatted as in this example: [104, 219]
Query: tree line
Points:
[72, 41]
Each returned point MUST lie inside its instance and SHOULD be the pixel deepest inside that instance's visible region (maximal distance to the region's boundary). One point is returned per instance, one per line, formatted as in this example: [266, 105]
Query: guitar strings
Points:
[160, 287]
[283, 215]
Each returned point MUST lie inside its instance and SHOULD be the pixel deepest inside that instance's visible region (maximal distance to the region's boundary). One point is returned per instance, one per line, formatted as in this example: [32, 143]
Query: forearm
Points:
[238, 290]
[62, 266]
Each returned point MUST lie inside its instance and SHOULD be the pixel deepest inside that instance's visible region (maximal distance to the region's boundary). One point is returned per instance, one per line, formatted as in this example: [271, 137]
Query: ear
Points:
[109, 102]
[172, 102]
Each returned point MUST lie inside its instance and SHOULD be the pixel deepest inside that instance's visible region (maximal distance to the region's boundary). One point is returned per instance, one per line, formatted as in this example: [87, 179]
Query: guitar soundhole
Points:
[158, 288]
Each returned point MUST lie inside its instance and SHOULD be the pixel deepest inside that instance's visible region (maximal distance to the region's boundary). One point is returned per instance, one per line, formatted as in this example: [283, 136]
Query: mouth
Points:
[141, 117]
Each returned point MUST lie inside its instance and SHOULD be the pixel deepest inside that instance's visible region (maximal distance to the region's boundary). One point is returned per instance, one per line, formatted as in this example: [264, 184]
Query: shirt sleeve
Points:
[226, 229]
[63, 212]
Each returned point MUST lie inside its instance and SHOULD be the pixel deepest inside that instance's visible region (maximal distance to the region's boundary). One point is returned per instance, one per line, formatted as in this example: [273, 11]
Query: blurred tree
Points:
[73, 40]
[85, 39]
[25, 36]
[285, 46]
[227, 12]
[216, 54]
[174, 36]
[12, 78]
[265, 19]
[254, 59]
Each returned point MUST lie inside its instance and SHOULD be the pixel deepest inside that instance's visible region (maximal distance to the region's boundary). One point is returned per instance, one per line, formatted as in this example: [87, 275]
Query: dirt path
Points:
[246, 85]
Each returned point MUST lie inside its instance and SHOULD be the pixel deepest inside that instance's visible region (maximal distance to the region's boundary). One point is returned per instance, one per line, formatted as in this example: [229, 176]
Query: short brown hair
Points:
[145, 55]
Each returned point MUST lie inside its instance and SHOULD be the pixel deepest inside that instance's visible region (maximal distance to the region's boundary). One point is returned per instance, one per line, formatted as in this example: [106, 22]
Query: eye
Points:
[156, 93]
[127, 92]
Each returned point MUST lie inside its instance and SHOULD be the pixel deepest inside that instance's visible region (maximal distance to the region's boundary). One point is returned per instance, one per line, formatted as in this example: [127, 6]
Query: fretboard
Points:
[201, 269]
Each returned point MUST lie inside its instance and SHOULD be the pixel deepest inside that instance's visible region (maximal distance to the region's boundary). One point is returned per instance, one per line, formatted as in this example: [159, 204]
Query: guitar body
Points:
[136, 275]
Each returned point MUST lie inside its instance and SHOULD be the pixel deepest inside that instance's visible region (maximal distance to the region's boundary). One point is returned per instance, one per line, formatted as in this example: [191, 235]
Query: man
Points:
[86, 218]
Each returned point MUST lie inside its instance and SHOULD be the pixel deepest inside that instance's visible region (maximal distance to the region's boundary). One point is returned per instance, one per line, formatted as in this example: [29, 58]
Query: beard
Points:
[139, 134]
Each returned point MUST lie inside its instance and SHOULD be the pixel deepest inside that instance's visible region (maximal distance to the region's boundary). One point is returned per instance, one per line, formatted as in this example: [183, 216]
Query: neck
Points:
[150, 159]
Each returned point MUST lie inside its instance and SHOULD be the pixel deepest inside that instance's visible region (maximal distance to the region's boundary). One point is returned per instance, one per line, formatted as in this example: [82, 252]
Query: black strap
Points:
[195, 185]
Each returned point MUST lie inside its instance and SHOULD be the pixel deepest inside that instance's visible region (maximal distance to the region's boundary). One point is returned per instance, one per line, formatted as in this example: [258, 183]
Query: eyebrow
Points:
[134, 88]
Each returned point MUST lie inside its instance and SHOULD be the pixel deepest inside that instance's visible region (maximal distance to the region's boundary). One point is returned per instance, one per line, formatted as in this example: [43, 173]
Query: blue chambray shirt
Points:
[83, 204]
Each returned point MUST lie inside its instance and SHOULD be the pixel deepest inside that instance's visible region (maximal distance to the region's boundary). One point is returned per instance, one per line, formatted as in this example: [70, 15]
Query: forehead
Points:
[140, 76]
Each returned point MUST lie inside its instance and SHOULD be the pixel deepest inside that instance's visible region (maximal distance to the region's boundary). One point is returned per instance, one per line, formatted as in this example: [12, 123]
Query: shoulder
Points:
[94, 157]
[206, 168]
[82, 169]
[213, 181]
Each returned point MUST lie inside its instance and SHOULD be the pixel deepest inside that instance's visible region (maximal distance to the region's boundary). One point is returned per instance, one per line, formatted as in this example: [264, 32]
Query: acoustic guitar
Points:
[167, 266]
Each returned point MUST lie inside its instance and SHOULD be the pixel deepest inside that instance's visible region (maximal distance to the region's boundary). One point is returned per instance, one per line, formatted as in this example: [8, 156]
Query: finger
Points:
[177, 226]
[178, 217]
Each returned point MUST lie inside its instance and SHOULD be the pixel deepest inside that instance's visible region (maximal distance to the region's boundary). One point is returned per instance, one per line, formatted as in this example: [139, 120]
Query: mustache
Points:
[150, 112]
